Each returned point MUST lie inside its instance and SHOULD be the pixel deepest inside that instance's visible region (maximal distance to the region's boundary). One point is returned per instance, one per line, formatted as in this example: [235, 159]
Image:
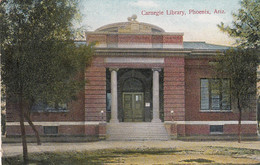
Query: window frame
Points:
[44, 107]
[48, 128]
[213, 131]
[210, 109]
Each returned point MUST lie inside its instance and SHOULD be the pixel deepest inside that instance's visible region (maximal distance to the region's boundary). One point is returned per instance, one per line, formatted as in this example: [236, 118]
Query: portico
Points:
[135, 94]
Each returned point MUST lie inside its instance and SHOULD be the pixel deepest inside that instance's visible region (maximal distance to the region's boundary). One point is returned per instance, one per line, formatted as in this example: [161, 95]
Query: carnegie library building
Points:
[144, 84]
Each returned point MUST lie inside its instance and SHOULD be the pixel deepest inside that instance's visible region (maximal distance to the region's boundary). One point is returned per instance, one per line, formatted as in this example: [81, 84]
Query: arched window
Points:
[133, 85]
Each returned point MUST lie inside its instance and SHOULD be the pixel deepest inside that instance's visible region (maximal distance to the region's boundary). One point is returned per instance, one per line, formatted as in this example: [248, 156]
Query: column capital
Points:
[157, 69]
[113, 69]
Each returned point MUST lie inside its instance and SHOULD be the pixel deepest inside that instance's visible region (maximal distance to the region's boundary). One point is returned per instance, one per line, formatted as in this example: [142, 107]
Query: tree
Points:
[40, 60]
[240, 66]
[246, 29]
[246, 24]
[3, 110]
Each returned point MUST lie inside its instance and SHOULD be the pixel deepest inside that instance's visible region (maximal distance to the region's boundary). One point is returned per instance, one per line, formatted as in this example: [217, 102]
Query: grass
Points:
[118, 156]
[86, 157]
[233, 151]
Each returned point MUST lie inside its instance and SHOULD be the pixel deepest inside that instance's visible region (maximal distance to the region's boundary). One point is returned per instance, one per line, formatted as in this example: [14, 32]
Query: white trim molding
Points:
[55, 123]
[211, 122]
[133, 60]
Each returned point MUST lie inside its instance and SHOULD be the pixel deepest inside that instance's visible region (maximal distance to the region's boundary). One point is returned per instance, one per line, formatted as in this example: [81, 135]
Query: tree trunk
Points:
[34, 128]
[239, 122]
[239, 126]
[23, 134]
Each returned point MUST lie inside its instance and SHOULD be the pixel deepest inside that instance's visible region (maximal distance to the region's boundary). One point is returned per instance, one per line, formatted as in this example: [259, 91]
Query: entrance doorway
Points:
[133, 106]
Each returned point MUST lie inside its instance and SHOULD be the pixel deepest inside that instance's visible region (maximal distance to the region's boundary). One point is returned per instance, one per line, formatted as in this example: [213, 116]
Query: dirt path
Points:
[16, 149]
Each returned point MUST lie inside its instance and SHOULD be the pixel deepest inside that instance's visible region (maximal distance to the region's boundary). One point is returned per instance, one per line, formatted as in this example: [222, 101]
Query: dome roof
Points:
[132, 26]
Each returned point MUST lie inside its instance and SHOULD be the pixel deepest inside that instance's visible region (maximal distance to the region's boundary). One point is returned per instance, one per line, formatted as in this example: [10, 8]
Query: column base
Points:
[156, 121]
[113, 121]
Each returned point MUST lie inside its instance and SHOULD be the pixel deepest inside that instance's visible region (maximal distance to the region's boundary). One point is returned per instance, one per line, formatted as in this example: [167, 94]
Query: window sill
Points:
[54, 134]
[216, 133]
[216, 111]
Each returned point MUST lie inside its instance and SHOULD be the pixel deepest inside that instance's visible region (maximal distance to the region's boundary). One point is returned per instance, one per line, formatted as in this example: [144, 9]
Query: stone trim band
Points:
[211, 122]
[54, 123]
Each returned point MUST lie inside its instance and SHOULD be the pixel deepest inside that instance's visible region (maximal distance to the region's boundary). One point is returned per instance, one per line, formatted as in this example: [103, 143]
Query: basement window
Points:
[50, 130]
[216, 129]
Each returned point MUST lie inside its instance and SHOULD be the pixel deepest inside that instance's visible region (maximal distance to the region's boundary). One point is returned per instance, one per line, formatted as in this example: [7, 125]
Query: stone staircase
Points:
[136, 131]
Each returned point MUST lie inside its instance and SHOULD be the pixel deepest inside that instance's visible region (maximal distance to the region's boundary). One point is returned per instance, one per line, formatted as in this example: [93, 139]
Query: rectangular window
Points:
[215, 94]
[216, 129]
[108, 102]
[204, 94]
[50, 130]
[44, 107]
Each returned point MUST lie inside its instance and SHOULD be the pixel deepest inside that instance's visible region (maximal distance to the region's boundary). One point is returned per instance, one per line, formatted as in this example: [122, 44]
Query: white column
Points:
[114, 118]
[156, 100]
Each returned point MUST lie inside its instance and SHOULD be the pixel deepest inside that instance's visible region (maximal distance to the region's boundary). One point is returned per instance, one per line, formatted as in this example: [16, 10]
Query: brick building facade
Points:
[142, 77]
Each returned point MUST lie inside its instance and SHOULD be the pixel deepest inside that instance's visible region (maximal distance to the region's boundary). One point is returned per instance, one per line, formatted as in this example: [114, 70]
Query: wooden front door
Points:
[133, 107]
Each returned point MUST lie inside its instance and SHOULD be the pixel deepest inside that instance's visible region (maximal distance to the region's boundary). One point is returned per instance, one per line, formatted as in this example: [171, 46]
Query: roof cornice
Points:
[188, 53]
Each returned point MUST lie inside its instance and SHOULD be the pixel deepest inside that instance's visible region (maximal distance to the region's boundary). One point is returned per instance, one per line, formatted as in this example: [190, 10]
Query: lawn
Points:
[171, 156]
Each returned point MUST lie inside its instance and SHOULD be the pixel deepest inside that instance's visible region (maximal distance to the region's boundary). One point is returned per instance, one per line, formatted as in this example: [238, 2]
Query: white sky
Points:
[196, 27]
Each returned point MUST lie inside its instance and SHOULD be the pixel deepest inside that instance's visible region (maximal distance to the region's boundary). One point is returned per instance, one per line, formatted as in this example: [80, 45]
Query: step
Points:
[144, 138]
[136, 131]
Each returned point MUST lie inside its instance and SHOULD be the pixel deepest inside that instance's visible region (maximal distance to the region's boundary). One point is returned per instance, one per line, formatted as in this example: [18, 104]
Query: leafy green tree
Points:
[240, 66]
[246, 29]
[246, 24]
[40, 60]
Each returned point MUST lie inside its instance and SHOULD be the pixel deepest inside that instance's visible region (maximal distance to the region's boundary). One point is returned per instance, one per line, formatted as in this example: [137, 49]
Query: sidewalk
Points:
[16, 148]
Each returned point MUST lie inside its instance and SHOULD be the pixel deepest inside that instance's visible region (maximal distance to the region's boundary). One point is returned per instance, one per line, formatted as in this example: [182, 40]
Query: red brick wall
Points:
[245, 129]
[91, 130]
[196, 69]
[75, 113]
[171, 39]
[128, 38]
[174, 88]
[197, 130]
[15, 130]
[157, 39]
[62, 130]
[95, 90]
[135, 38]
[71, 130]
[181, 94]
[112, 38]
[228, 129]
